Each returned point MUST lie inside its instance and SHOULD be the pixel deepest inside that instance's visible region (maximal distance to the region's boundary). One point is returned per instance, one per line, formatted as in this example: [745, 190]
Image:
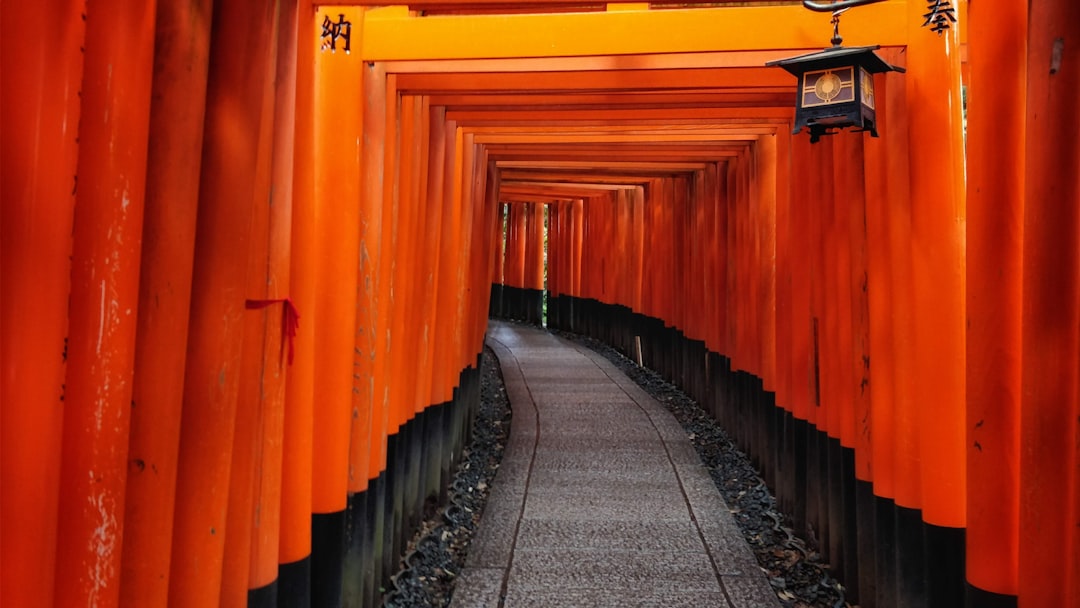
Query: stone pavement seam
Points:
[498, 346]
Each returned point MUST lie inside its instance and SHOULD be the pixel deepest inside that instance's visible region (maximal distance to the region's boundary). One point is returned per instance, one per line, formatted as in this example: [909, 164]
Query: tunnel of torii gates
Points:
[250, 250]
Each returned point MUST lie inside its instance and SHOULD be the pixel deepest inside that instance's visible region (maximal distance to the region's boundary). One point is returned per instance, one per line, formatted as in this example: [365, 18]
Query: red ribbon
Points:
[290, 319]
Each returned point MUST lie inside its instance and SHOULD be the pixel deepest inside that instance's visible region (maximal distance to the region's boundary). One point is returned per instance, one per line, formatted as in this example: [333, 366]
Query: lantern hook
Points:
[826, 7]
[836, 39]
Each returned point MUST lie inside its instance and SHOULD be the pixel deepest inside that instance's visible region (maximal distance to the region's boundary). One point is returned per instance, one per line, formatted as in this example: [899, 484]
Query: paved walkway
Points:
[600, 499]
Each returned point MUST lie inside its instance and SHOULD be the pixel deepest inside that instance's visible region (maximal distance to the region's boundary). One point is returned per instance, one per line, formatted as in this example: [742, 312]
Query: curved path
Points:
[600, 499]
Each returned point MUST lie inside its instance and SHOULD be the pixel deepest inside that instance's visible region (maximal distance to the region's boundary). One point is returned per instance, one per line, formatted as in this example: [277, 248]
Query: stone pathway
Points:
[600, 499]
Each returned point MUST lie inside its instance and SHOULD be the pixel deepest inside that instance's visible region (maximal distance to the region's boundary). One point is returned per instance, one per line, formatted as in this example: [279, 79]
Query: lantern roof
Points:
[837, 56]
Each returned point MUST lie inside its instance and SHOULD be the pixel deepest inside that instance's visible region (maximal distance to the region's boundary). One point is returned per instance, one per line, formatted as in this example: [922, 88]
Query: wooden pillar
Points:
[1049, 569]
[211, 380]
[766, 176]
[294, 550]
[373, 307]
[937, 249]
[937, 253]
[113, 132]
[995, 236]
[181, 55]
[434, 137]
[37, 215]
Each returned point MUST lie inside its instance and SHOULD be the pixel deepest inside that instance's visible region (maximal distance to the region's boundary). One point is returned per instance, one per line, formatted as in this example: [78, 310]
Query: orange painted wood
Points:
[373, 305]
[388, 310]
[486, 208]
[719, 303]
[937, 252]
[637, 202]
[276, 365]
[643, 80]
[463, 198]
[402, 356]
[880, 283]
[211, 380]
[784, 255]
[181, 56]
[517, 243]
[731, 266]
[296, 483]
[338, 106]
[535, 269]
[766, 177]
[555, 258]
[430, 171]
[490, 227]
[828, 281]
[426, 240]
[1050, 417]
[40, 127]
[847, 178]
[680, 255]
[995, 235]
[666, 251]
[856, 423]
[906, 447]
[745, 340]
[657, 61]
[437, 181]
[473, 182]
[577, 239]
[802, 395]
[530, 242]
[107, 235]
[444, 378]
[255, 378]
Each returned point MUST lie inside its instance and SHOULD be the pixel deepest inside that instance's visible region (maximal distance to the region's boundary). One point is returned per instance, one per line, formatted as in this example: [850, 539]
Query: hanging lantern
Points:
[836, 86]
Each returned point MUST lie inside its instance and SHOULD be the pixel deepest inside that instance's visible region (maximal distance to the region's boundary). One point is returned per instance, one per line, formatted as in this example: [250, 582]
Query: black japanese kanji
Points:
[331, 32]
[940, 15]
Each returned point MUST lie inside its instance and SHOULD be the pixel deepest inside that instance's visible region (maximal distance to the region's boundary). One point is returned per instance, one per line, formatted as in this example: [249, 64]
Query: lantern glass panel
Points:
[828, 87]
[866, 87]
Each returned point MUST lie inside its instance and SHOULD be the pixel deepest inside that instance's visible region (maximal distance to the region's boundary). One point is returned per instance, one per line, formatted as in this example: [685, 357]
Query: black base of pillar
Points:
[327, 559]
[294, 584]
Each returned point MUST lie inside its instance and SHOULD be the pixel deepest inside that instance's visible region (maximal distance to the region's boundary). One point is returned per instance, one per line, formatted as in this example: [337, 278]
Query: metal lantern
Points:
[836, 87]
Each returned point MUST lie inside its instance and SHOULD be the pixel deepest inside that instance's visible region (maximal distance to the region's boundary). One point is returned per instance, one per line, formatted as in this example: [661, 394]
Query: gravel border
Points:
[436, 554]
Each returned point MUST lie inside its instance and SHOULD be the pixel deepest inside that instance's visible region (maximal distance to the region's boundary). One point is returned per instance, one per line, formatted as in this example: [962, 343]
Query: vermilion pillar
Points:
[1049, 569]
[104, 300]
[938, 270]
[234, 103]
[995, 234]
[181, 56]
[338, 106]
[40, 151]
[294, 542]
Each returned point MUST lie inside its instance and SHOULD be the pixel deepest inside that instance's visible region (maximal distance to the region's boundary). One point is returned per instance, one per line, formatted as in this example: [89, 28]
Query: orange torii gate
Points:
[895, 345]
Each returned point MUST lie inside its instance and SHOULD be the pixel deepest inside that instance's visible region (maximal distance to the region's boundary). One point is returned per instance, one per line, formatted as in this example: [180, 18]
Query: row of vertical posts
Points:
[895, 354]
[518, 278]
[245, 284]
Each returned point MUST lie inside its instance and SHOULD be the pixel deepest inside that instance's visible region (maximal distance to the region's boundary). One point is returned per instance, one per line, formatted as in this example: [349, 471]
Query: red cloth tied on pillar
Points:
[290, 319]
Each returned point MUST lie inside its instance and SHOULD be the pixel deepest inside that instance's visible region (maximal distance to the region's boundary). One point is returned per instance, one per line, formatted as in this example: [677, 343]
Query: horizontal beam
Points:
[620, 165]
[598, 160]
[510, 176]
[391, 34]
[747, 134]
[622, 81]
[648, 61]
[664, 116]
